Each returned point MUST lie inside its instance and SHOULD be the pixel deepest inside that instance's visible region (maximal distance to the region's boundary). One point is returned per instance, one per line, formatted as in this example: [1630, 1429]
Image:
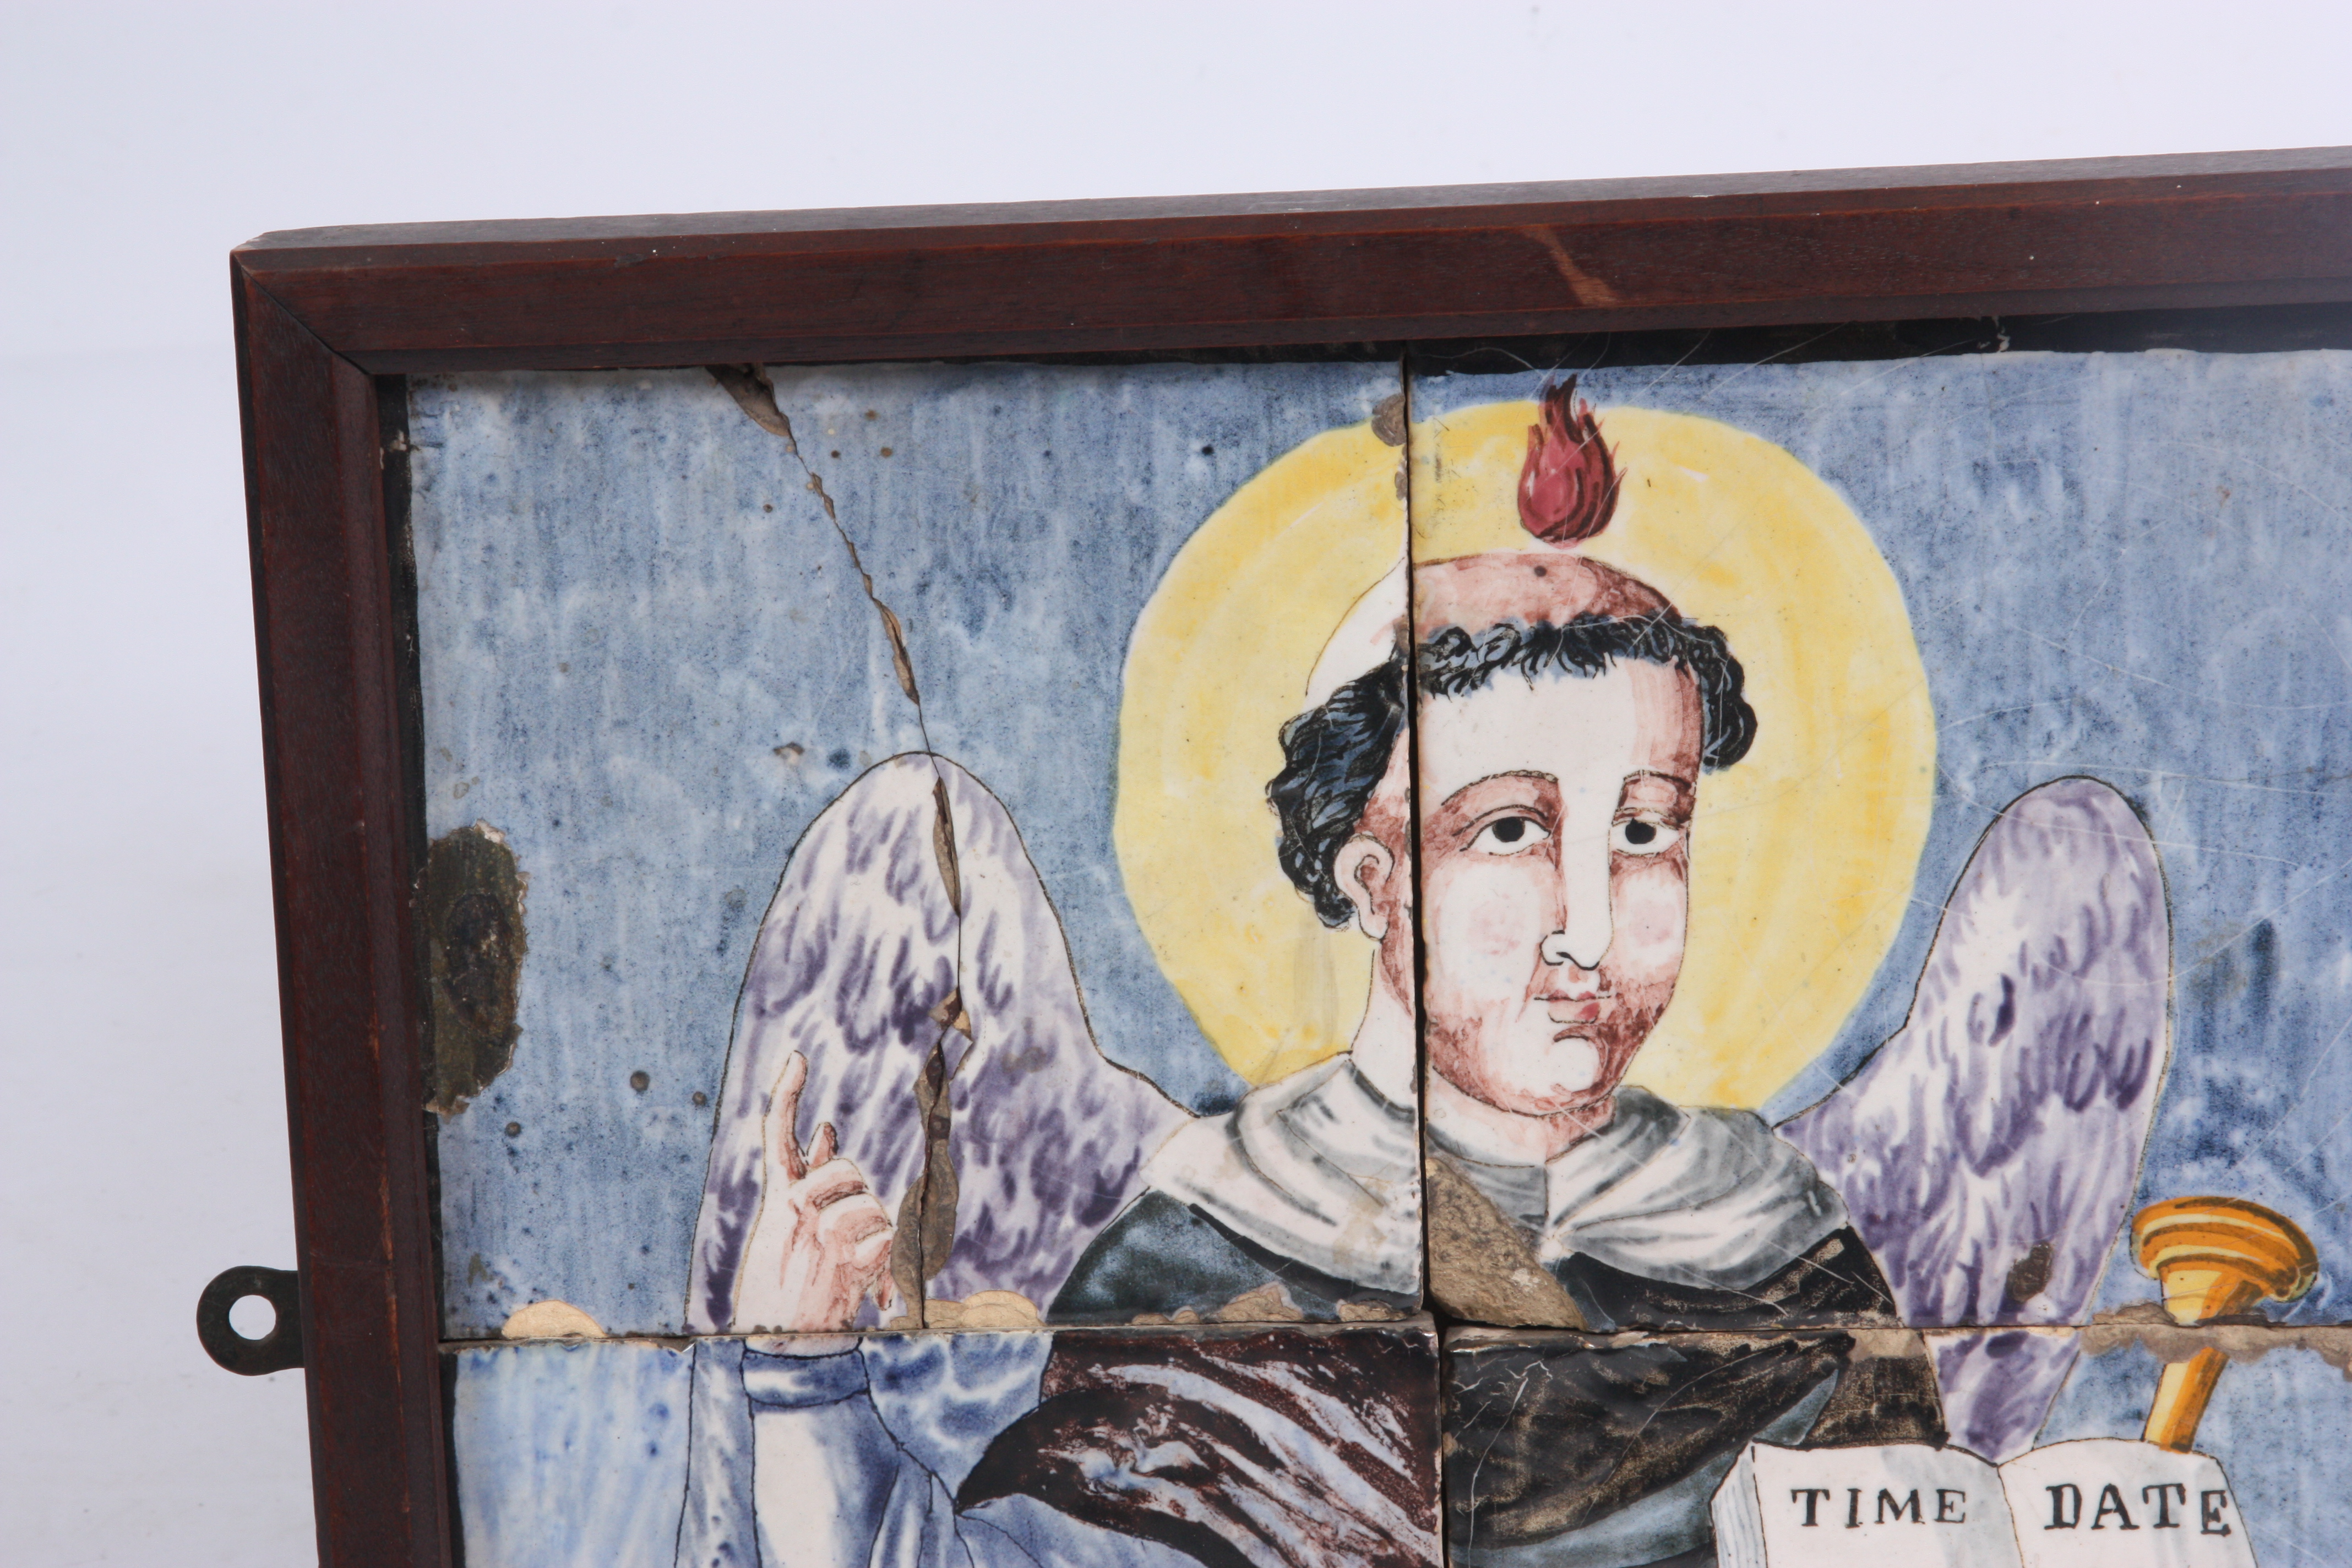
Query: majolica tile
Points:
[1830, 1447]
[940, 878]
[1148, 1449]
[876, 876]
[1881, 828]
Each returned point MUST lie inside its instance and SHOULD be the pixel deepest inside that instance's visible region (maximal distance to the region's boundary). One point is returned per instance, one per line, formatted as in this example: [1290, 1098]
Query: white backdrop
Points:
[143, 1146]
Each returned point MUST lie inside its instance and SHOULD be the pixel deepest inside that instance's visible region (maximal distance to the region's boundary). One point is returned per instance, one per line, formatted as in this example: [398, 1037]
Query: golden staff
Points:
[2213, 1257]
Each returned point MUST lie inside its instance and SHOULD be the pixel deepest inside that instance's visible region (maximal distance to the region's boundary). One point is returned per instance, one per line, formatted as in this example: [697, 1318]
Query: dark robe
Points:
[1265, 1448]
[1301, 1202]
[1763, 1315]
[1178, 1259]
[1622, 1441]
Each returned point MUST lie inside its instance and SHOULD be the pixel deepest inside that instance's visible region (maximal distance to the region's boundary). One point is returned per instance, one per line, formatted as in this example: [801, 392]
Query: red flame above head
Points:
[1568, 486]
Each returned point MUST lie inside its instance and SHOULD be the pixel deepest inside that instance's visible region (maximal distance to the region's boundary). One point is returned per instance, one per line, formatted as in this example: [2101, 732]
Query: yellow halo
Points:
[1803, 854]
[1218, 659]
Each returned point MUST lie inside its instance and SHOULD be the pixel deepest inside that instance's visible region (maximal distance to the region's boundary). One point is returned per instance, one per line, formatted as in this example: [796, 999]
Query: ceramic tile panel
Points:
[867, 883]
[1882, 827]
[944, 879]
[1122, 1448]
[1828, 1447]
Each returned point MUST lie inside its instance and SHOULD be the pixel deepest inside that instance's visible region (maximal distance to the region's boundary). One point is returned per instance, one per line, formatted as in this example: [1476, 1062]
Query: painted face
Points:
[1555, 878]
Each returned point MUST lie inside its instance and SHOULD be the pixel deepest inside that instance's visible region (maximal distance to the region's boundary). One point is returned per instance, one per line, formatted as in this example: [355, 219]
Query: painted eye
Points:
[1640, 836]
[1510, 835]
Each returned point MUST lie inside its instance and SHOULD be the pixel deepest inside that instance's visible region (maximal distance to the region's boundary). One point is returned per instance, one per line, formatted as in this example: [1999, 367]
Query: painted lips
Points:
[1573, 1009]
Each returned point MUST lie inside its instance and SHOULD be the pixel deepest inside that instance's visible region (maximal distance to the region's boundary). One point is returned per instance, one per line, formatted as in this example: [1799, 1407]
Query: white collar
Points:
[1709, 1198]
[1317, 1167]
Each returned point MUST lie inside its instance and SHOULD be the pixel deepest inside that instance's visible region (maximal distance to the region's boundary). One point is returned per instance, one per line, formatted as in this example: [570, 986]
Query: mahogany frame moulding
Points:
[322, 313]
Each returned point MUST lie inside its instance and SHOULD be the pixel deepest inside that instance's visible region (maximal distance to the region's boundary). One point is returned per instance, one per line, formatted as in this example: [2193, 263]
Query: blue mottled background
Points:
[572, 1453]
[647, 662]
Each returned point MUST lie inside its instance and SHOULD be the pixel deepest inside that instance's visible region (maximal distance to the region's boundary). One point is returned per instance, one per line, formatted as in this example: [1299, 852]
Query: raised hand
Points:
[821, 1242]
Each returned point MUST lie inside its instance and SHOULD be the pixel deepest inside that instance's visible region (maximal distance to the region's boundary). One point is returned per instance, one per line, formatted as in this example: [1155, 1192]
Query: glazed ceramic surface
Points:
[1033, 919]
[1151, 1448]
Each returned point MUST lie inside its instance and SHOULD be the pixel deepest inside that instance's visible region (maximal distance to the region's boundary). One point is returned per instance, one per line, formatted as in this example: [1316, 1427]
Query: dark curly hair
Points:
[1334, 755]
[1332, 759]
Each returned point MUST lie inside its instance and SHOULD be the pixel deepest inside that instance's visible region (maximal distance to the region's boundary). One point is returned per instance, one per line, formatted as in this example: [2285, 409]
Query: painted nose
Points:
[1582, 940]
[1561, 948]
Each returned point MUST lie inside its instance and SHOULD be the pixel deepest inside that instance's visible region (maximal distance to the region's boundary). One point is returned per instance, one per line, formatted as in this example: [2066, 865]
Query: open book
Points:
[2102, 1502]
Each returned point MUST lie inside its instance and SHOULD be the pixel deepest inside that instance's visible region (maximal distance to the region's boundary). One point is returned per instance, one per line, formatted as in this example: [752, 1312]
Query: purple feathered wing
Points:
[1991, 1150]
[859, 947]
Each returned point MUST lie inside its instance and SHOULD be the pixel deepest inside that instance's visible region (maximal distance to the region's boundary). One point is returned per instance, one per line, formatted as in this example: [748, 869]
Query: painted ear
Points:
[1362, 868]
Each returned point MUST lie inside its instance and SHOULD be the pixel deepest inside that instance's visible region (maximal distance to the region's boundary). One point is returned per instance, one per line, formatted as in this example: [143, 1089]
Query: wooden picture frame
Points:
[329, 321]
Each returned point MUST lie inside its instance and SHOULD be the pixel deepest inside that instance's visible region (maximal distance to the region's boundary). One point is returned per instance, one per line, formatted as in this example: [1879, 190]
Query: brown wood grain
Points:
[354, 1091]
[2241, 229]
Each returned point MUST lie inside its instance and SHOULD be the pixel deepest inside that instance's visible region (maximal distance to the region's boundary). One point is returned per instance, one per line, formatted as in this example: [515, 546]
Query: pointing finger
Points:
[784, 1118]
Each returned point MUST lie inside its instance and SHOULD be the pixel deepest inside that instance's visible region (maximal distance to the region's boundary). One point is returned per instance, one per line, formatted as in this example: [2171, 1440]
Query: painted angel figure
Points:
[898, 1036]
